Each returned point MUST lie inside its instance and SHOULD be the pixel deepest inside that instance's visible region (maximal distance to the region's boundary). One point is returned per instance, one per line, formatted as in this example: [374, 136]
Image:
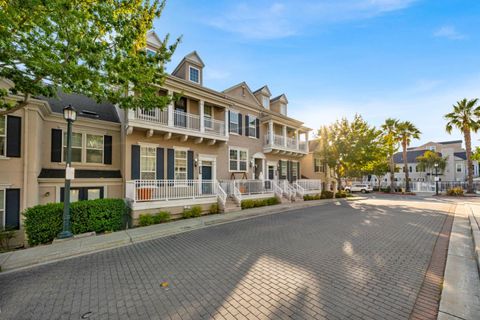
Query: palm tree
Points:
[391, 138]
[465, 117]
[406, 131]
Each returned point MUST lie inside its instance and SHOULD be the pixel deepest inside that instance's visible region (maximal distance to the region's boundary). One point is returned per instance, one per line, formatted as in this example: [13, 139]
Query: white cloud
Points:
[263, 20]
[449, 32]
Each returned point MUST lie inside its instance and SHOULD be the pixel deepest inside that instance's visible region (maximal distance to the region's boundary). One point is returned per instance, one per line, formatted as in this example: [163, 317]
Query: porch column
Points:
[201, 105]
[170, 111]
[306, 140]
[270, 132]
[284, 136]
[226, 122]
[297, 139]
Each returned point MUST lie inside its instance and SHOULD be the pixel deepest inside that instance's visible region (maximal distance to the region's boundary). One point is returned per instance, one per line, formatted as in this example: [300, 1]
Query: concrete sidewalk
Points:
[15, 260]
[461, 287]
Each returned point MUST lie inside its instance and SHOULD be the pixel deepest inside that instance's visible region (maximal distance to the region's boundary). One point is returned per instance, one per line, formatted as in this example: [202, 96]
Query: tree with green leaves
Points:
[465, 117]
[390, 136]
[406, 132]
[90, 47]
[427, 161]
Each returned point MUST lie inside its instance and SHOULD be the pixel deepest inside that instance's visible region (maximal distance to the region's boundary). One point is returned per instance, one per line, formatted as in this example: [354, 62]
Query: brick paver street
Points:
[354, 260]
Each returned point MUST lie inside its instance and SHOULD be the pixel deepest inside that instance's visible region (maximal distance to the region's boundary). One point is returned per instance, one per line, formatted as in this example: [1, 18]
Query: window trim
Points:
[266, 102]
[4, 155]
[101, 149]
[175, 150]
[84, 148]
[283, 109]
[190, 74]
[239, 150]
[148, 156]
[210, 118]
[236, 123]
[254, 118]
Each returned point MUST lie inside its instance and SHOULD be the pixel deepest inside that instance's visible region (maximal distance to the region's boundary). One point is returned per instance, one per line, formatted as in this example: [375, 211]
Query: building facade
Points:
[206, 147]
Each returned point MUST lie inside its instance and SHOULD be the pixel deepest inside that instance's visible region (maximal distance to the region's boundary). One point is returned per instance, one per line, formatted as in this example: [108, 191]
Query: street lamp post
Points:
[70, 114]
[436, 178]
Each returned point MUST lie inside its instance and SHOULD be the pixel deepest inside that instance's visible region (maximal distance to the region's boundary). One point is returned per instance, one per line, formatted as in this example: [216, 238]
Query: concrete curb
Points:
[475, 229]
[44, 254]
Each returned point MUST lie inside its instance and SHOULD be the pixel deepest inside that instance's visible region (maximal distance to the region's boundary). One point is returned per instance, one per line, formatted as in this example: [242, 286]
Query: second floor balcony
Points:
[282, 144]
[171, 121]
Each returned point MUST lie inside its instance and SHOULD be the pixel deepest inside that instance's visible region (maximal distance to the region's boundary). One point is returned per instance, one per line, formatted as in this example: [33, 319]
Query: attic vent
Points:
[92, 114]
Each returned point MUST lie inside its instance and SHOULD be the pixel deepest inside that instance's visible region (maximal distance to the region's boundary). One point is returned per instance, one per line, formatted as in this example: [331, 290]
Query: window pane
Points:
[194, 75]
[233, 154]
[93, 194]
[94, 141]
[2, 125]
[207, 110]
[74, 195]
[76, 139]
[2, 146]
[76, 155]
[2, 198]
[95, 156]
[243, 155]
[233, 165]
[243, 165]
[147, 176]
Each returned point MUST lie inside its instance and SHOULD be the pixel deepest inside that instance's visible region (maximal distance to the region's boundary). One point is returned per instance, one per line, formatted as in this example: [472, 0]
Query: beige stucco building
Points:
[207, 147]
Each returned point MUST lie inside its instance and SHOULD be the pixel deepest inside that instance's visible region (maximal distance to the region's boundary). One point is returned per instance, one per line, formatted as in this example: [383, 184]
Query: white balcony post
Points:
[226, 123]
[270, 132]
[170, 111]
[297, 139]
[285, 136]
[130, 114]
[306, 141]
[202, 115]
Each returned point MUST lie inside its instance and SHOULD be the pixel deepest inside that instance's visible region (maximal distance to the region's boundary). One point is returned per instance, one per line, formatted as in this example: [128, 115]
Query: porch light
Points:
[195, 162]
[69, 113]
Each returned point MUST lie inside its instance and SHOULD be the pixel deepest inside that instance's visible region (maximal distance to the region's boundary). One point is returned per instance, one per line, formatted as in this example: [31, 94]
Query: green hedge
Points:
[341, 194]
[149, 219]
[44, 222]
[326, 194]
[309, 197]
[193, 212]
[253, 203]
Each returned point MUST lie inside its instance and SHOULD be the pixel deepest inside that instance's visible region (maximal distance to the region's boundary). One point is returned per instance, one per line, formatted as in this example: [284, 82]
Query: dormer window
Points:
[194, 74]
[266, 102]
[283, 109]
[150, 53]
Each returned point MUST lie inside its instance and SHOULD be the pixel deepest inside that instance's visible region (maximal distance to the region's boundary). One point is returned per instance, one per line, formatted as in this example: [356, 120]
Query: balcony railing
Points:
[310, 184]
[247, 187]
[180, 120]
[165, 190]
[291, 144]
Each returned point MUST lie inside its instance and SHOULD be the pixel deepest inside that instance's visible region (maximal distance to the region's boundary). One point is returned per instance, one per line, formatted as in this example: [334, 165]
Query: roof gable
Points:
[281, 98]
[242, 90]
[194, 58]
[153, 39]
[263, 90]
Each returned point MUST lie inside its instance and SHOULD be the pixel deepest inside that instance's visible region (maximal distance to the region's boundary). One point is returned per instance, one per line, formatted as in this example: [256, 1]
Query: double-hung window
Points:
[2, 208]
[234, 122]
[85, 147]
[283, 169]
[266, 102]
[252, 126]
[3, 135]
[238, 160]
[94, 148]
[77, 146]
[459, 167]
[194, 75]
[180, 165]
[283, 109]
[317, 165]
[208, 115]
[294, 169]
[148, 162]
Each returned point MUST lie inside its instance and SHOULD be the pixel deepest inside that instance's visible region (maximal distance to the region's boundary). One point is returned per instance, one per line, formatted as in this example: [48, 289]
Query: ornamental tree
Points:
[90, 47]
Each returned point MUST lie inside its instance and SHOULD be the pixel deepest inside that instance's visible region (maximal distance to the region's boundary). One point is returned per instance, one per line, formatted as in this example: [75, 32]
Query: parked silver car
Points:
[360, 187]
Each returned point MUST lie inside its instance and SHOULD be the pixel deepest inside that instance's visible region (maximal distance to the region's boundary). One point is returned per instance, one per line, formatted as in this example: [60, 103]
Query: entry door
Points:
[271, 172]
[207, 179]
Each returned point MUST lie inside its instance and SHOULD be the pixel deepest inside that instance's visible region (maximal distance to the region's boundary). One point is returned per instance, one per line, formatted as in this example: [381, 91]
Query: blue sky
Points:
[407, 59]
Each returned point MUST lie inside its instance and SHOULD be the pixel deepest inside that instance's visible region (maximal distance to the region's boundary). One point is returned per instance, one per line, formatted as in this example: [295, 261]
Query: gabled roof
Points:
[194, 58]
[153, 39]
[462, 155]
[86, 107]
[282, 97]
[243, 84]
[264, 90]
[451, 142]
[411, 156]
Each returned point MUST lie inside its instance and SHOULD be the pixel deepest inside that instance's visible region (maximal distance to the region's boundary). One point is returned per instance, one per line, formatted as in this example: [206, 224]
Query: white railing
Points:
[277, 190]
[247, 187]
[310, 184]
[154, 115]
[221, 195]
[302, 146]
[288, 190]
[186, 120]
[292, 143]
[237, 196]
[299, 189]
[214, 126]
[278, 141]
[164, 190]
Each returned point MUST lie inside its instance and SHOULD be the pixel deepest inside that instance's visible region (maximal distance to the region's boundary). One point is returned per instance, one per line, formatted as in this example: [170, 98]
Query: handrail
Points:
[221, 195]
[277, 190]
[299, 189]
[237, 196]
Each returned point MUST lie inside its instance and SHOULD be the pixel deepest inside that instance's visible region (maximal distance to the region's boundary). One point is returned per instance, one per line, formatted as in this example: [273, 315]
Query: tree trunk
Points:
[392, 174]
[405, 165]
[468, 147]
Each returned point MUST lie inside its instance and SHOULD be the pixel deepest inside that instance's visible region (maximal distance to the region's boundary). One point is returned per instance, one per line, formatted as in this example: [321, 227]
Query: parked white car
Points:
[363, 188]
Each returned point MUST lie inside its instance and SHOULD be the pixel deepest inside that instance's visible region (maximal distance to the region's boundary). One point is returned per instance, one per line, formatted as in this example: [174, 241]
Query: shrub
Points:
[456, 191]
[386, 189]
[193, 212]
[145, 220]
[326, 194]
[340, 194]
[162, 216]
[253, 203]
[214, 208]
[309, 197]
[44, 222]
[6, 235]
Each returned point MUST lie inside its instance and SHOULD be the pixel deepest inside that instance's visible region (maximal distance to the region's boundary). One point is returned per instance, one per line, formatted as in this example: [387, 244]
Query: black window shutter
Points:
[160, 166]
[298, 171]
[240, 123]
[257, 125]
[228, 124]
[247, 121]
[14, 136]
[190, 165]
[282, 172]
[56, 151]
[170, 164]
[107, 149]
[135, 162]
[12, 208]
[289, 170]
